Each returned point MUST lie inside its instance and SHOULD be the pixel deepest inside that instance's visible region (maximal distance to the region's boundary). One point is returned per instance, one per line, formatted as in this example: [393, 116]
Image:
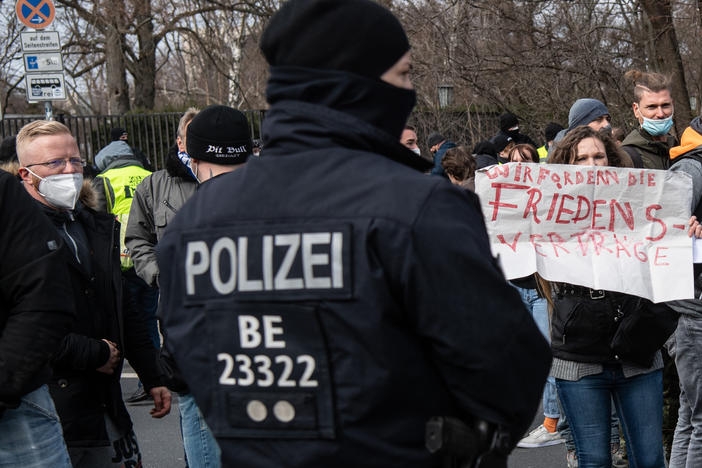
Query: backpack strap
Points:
[634, 155]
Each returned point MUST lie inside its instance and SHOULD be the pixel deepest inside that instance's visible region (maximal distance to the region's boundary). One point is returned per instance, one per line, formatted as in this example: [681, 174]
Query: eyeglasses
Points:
[60, 163]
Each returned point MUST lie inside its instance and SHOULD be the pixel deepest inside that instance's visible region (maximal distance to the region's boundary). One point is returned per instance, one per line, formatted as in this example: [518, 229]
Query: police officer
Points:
[327, 299]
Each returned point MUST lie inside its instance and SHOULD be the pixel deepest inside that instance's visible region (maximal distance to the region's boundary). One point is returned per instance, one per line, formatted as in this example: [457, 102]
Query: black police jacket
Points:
[324, 301]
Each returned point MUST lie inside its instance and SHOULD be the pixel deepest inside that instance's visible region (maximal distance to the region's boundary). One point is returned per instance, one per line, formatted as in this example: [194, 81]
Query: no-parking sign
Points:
[37, 14]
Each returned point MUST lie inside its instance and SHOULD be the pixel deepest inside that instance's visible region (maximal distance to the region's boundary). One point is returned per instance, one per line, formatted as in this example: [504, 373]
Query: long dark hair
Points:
[522, 149]
[567, 149]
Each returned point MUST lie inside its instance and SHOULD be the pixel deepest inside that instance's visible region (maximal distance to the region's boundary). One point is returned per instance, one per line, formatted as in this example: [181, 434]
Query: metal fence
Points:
[151, 133]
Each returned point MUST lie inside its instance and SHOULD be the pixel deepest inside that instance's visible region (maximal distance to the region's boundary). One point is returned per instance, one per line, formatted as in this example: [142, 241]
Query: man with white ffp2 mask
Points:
[56, 173]
[88, 363]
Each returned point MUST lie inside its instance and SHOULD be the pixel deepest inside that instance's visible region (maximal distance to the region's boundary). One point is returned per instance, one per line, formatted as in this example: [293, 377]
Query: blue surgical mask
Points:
[657, 127]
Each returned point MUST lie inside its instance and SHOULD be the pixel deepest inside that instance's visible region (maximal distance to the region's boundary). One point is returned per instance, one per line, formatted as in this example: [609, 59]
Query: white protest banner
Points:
[601, 227]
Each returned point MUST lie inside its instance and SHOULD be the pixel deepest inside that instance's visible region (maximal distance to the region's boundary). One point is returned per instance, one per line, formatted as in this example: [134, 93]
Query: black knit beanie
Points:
[552, 130]
[220, 135]
[507, 121]
[357, 36]
[434, 139]
[500, 142]
[116, 133]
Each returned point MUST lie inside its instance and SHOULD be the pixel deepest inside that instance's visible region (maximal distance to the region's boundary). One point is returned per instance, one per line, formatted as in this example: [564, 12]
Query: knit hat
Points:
[552, 130]
[485, 147]
[357, 36]
[434, 139]
[507, 121]
[220, 135]
[584, 111]
[116, 133]
[500, 142]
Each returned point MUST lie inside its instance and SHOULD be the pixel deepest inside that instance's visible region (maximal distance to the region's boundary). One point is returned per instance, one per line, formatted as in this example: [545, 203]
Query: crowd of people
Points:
[591, 397]
[314, 300]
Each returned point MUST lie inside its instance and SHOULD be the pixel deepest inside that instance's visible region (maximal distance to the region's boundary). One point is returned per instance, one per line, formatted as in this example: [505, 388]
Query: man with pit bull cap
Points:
[306, 299]
[218, 141]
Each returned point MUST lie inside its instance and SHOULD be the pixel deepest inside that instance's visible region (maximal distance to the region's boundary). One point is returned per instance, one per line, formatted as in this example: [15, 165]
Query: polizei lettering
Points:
[254, 263]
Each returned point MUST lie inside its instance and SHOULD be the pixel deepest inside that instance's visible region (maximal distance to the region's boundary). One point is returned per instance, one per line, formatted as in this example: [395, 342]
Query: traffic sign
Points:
[37, 14]
[43, 41]
[45, 87]
[43, 62]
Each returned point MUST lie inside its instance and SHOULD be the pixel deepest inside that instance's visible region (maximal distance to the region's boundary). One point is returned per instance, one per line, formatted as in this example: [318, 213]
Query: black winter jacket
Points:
[584, 322]
[82, 394]
[36, 305]
[364, 302]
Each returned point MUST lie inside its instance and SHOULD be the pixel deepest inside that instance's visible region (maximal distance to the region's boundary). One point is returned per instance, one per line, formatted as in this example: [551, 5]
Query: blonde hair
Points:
[648, 82]
[185, 119]
[36, 129]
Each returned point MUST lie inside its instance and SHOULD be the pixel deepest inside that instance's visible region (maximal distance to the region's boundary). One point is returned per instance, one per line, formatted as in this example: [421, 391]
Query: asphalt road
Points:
[162, 447]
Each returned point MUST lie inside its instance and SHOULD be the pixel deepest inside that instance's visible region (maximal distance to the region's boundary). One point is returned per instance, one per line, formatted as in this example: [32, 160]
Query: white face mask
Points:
[60, 190]
[416, 151]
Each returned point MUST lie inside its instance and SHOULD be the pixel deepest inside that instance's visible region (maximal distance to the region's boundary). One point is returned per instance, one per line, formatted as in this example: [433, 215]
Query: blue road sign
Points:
[36, 14]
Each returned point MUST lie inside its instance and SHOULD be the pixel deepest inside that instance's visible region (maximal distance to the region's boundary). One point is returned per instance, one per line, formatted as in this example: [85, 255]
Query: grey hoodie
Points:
[109, 153]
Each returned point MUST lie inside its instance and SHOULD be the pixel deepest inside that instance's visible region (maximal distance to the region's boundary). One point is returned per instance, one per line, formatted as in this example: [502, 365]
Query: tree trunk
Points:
[698, 91]
[667, 56]
[117, 88]
[145, 65]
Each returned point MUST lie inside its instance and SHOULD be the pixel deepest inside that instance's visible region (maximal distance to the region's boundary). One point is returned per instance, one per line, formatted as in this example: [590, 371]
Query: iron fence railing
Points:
[151, 133]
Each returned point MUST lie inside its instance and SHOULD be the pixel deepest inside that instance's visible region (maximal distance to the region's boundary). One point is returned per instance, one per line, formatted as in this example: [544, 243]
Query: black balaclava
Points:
[332, 53]
[507, 121]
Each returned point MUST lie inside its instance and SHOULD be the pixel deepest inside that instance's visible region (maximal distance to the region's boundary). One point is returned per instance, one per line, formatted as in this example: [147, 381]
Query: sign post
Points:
[43, 64]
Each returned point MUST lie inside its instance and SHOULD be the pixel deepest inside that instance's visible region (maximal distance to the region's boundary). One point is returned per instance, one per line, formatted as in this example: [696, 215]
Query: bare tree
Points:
[11, 69]
[127, 37]
[535, 58]
[667, 57]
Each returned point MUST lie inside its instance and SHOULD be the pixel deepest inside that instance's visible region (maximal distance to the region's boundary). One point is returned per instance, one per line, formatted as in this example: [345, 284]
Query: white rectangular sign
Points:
[43, 62]
[40, 41]
[45, 87]
[606, 228]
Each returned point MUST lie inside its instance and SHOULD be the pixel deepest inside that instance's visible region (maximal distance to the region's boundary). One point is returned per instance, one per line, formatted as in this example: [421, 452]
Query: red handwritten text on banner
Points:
[602, 227]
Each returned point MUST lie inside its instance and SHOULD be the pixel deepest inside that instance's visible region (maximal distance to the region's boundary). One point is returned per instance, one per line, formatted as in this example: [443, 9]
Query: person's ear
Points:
[25, 174]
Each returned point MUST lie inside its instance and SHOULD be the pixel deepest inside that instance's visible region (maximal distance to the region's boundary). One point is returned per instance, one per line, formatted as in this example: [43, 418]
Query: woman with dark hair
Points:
[588, 371]
[523, 152]
[459, 166]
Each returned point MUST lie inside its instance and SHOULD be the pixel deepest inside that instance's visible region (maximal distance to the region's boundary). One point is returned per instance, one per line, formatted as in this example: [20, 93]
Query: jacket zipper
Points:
[168, 205]
[75, 246]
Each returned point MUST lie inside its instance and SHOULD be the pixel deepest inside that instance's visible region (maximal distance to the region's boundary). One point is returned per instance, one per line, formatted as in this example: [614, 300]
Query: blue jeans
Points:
[201, 448]
[687, 442]
[31, 434]
[639, 402]
[538, 307]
